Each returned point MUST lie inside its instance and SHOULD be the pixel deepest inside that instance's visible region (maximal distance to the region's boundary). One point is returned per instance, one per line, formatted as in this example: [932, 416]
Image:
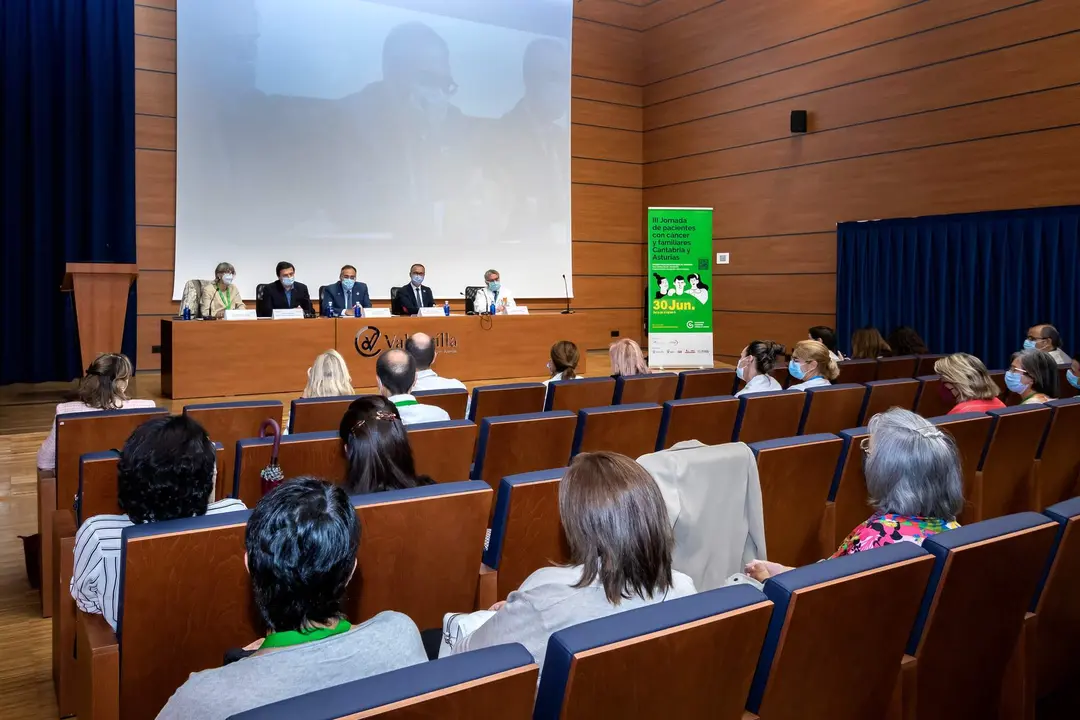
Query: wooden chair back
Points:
[526, 531]
[768, 415]
[882, 395]
[515, 444]
[700, 649]
[1057, 467]
[455, 401]
[493, 682]
[971, 431]
[654, 388]
[831, 408]
[574, 395]
[796, 475]
[982, 584]
[307, 415]
[1005, 472]
[628, 429]
[929, 401]
[925, 364]
[831, 611]
[420, 551]
[229, 422]
[897, 368]
[1057, 605]
[710, 420]
[316, 454]
[851, 501]
[781, 375]
[443, 450]
[510, 399]
[706, 383]
[998, 376]
[857, 371]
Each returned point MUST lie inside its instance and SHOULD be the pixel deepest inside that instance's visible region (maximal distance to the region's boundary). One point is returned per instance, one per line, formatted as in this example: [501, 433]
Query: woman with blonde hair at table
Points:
[328, 376]
[221, 295]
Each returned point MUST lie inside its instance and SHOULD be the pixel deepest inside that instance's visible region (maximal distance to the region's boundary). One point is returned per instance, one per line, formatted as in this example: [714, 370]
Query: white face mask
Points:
[227, 278]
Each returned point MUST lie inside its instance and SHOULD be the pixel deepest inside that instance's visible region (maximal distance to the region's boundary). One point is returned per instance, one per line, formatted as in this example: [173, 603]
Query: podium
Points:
[101, 295]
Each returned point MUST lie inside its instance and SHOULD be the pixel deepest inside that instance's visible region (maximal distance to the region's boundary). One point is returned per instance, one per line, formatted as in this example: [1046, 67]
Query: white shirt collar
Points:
[429, 373]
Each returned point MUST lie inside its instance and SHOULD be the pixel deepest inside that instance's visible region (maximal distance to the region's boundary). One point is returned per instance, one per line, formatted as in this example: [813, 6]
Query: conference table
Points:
[214, 358]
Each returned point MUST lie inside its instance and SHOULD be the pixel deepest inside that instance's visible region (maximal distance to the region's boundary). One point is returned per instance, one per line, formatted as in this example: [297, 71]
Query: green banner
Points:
[680, 282]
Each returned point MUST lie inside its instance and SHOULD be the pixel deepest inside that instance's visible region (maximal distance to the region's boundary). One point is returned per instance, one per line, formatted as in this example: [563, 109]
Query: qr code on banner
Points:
[703, 264]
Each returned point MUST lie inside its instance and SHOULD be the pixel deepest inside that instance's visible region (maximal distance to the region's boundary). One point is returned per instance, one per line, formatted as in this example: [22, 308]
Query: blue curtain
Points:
[67, 189]
[972, 283]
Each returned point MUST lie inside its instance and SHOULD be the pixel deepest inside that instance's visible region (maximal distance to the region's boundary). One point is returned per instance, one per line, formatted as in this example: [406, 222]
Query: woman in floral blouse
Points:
[916, 488]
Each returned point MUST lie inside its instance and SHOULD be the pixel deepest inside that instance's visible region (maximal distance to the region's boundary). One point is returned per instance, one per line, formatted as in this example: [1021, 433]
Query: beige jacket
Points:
[210, 303]
[714, 502]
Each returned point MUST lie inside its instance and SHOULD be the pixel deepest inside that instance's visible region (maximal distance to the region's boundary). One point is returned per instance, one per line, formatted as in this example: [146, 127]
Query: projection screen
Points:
[377, 133]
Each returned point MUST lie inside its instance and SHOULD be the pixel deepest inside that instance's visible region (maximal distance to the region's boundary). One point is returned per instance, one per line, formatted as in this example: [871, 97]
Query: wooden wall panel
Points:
[782, 255]
[155, 246]
[733, 330]
[155, 133]
[155, 187]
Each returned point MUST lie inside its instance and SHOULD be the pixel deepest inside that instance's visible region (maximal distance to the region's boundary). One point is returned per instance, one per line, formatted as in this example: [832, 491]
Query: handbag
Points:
[272, 475]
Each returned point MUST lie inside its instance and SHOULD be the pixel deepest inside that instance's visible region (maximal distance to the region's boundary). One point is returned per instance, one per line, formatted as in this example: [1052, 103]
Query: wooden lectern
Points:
[101, 295]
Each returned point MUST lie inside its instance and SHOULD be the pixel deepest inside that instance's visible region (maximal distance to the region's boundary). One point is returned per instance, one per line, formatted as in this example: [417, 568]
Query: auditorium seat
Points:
[882, 395]
[851, 500]
[318, 454]
[690, 657]
[509, 399]
[455, 401]
[443, 450]
[515, 444]
[768, 415]
[229, 422]
[710, 420]
[781, 375]
[1057, 606]
[796, 475]
[1057, 466]
[711, 382]
[897, 368]
[825, 616]
[1003, 483]
[76, 435]
[185, 598]
[970, 620]
[1065, 389]
[857, 371]
[494, 682]
[925, 364]
[998, 376]
[574, 395]
[971, 431]
[322, 414]
[831, 408]
[526, 531]
[653, 388]
[628, 429]
[929, 402]
[420, 551]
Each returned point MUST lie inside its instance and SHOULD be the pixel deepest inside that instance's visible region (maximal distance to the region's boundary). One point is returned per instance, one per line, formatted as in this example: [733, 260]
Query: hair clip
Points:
[930, 432]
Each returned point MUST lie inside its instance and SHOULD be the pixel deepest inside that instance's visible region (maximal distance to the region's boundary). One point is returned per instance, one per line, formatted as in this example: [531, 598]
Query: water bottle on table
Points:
[356, 311]
[446, 308]
[329, 308]
[492, 309]
[187, 313]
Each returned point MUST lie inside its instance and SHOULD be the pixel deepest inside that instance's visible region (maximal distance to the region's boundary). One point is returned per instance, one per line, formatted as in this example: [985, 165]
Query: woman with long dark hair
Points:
[377, 448]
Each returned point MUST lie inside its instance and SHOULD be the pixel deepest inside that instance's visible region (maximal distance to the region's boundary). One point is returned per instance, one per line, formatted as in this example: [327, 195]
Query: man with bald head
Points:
[422, 349]
[396, 373]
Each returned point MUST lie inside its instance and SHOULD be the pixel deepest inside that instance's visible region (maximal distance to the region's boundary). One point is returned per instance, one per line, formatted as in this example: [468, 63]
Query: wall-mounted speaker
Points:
[799, 121]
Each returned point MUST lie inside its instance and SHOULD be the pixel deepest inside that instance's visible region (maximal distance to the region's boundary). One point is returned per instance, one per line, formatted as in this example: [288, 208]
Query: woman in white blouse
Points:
[564, 361]
[757, 360]
[812, 365]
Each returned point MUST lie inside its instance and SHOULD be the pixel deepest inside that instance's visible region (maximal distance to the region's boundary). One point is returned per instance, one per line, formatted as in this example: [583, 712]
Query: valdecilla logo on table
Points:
[370, 342]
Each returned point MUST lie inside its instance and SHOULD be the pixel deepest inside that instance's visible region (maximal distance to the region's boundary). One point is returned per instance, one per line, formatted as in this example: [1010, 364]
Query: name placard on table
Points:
[291, 314]
[432, 312]
[241, 315]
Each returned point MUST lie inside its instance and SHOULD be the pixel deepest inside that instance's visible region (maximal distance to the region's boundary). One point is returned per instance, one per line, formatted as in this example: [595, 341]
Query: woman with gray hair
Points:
[916, 488]
[221, 295]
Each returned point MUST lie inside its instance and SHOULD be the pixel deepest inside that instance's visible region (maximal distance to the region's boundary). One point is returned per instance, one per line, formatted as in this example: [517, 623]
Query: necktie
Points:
[419, 299]
[348, 299]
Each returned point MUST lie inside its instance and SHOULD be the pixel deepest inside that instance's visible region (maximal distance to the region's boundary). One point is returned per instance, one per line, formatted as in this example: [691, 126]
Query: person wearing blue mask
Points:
[1033, 375]
[345, 294]
[285, 294]
[1048, 339]
[493, 293]
[755, 363]
[811, 365]
[415, 295]
[1073, 374]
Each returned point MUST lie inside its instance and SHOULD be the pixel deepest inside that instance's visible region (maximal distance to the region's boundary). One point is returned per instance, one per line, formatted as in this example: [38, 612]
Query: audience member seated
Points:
[905, 341]
[756, 362]
[301, 540]
[1047, 339]
[564, 361]
[620, 542]
[966, 382]
[915, 485]
[627, 359]
[812, 365]
[377, 448]
[827, 337]
[328, 376]
[1033, 375]
[867, 344]
[422, 349]
[1073, 374]
[104, 387]
[166, 471]
[396, 373]
[221, 295]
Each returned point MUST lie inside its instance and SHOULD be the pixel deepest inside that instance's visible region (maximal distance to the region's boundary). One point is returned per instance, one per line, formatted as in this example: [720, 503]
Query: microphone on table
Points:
[566, 289]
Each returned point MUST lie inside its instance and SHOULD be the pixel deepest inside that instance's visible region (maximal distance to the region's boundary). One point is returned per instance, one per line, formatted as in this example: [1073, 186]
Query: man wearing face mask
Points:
[415, 295]
[1047, 339]
[345, 294]
[493, 293]
[284, 294]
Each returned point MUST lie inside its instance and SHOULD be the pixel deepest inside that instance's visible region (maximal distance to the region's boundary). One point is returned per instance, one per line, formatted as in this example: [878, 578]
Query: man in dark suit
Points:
[415, 295]
[345, 294]
[284, 294]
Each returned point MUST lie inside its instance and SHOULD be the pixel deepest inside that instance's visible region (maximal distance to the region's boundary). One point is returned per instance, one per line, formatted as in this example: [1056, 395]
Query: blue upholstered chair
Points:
[708, 419]
[579, 393]
[628, 429]
[318, 414]
[1057, 605]
[884, 394]
[515, 444]
[709, 382]
[831, 408]
[653, 388]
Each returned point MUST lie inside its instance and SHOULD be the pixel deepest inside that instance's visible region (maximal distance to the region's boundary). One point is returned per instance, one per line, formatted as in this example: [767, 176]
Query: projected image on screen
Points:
[378, 134]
